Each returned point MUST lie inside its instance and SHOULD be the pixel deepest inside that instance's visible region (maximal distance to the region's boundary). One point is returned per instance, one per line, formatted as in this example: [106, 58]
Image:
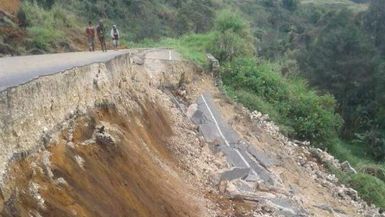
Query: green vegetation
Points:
[191, 46]
[293, 104]
[232, 37]
[346, 59]
[315, 66]
[370, 187]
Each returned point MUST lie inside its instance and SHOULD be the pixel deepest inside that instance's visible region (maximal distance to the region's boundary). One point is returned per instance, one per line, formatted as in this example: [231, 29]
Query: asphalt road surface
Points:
[18, 70]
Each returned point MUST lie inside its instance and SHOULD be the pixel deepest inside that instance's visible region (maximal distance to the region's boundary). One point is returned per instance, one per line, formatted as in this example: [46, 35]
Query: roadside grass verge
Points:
[192, 46]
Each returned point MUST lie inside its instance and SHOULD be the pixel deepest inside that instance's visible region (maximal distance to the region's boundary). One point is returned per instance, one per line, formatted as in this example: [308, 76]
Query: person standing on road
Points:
[90, 32]
[100, 30]
[115, 36]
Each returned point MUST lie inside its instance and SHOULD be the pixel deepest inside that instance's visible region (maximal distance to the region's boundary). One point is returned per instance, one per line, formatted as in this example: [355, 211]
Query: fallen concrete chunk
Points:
[287, 207]
[191, 110]
[235, 173]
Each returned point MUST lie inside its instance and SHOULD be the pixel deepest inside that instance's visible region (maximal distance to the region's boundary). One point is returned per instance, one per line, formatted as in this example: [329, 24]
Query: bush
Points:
[44, 37]
[370, 188]
[232, 38]
[373, 170]
[307, 115]
[47, 27]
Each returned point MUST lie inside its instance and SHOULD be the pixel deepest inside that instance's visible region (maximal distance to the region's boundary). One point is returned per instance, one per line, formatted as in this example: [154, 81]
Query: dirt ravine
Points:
[116, 139]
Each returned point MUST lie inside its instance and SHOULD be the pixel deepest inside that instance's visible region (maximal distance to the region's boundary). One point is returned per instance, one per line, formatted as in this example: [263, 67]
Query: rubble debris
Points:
[310, 158]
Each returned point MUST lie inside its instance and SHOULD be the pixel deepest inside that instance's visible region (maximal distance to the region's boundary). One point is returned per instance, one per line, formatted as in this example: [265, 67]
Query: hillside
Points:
[123, 138]
[54, 26]
[316, 68]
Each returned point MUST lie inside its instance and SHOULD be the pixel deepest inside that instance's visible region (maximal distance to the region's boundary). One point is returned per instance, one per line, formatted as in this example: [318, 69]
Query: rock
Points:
[302, 143]
[104, 139]
[34, 192]
[80, 161]
[61, 182]
[47, 164]
[352, 193]
[347, 193]
[346, 167]
[214, 64]
[138, 60]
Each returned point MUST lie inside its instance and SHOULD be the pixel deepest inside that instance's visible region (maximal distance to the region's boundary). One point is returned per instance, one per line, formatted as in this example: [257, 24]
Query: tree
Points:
[233, 37]
[291, 5]
[195, 16]
[374, 23]
[342, 60]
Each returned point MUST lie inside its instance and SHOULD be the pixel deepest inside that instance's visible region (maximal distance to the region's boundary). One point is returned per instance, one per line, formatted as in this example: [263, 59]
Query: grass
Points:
[369, 182]
[43, 37]
[354, 153]
[290, 102]
[192, 46]
[369, 188]
[49, 27]
[337, 4]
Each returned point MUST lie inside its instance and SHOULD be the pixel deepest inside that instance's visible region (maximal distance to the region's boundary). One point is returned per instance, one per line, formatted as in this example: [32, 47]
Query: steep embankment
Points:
[97, 141]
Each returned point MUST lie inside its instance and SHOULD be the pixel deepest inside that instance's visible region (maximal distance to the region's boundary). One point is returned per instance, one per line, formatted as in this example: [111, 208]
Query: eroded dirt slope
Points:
[120, 142]
[123, 169]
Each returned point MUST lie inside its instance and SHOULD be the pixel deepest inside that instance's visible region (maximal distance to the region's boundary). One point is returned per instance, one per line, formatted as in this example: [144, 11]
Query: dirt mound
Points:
[10, 6]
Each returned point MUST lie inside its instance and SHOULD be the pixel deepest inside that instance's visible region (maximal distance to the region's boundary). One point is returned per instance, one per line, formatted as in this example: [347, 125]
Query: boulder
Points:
[346, 167]
[104, 139]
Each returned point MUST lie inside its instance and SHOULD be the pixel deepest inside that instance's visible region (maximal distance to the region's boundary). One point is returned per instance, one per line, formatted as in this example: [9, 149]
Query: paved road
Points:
[239, 154]
[18, 70]
[21, 69]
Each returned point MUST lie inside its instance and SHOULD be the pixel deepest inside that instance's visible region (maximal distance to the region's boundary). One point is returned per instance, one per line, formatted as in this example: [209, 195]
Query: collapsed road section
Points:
[248, 167]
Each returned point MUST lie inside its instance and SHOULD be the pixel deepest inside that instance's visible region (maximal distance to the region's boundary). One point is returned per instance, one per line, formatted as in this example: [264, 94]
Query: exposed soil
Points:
[136, 176]
[10, 6]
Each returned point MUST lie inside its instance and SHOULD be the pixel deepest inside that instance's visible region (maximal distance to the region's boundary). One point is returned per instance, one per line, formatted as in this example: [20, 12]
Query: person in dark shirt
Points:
[90, 32]
[101, 31]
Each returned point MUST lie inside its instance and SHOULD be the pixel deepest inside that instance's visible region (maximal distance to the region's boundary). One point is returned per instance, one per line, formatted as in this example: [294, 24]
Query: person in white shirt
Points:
[115, 36]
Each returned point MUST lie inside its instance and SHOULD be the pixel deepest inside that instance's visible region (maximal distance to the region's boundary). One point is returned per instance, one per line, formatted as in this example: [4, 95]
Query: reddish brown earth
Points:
[10, 6]
[119, 180]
